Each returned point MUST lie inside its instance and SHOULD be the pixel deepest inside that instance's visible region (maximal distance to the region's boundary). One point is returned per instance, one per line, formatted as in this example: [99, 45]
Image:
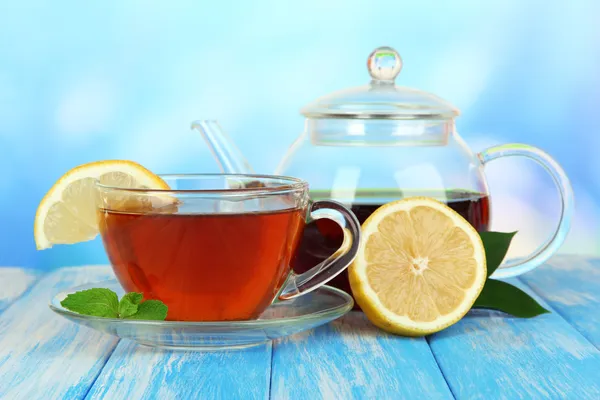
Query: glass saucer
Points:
[280, 319]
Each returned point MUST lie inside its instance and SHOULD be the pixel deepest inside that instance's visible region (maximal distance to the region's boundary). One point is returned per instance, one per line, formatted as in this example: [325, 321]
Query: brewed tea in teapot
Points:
[322, 238]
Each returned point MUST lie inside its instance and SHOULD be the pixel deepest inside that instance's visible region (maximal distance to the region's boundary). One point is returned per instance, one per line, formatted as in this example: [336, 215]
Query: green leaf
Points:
[129, 304]
[151, 310]
[98, 302]
[502, 296]
[496, 246]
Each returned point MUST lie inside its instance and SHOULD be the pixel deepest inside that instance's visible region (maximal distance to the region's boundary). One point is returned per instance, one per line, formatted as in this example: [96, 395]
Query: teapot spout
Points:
[228, 156]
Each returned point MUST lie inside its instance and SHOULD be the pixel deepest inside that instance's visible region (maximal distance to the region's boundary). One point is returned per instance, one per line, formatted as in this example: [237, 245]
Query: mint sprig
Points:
[101, 302]
[499, 295]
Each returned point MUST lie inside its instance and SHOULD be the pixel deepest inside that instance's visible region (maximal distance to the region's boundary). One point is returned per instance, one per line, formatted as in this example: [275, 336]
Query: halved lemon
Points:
[420, 267]
[67, 213]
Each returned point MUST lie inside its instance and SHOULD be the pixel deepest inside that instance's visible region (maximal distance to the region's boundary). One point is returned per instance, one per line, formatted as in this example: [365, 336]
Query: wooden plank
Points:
[489, 355]
[350, 358]
[571, 285]
[138, 372]
[42, 355]
[15, 281]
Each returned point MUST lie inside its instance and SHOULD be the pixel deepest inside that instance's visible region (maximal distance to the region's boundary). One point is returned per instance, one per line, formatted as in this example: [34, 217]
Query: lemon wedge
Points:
[420, 267]
[67, 213]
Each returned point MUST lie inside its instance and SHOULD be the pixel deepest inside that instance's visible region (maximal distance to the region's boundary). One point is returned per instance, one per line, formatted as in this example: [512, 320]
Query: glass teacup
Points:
[218, 247]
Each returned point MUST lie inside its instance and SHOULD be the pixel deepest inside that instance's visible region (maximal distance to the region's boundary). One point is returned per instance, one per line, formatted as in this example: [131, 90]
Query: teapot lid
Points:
[381, 98]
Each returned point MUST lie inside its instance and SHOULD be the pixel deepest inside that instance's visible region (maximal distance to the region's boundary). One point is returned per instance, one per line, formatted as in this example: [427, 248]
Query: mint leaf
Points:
[98, 302]
[151, 310]
[129, 304]
[496, 246]
[502, 296]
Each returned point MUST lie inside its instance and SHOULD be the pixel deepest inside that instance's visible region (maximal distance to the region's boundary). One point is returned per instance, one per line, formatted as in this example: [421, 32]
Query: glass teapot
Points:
[372, 144]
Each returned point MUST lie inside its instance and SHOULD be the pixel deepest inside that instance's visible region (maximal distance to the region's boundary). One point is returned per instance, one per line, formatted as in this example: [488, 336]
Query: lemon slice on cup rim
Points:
[420, 267]
[67, 213]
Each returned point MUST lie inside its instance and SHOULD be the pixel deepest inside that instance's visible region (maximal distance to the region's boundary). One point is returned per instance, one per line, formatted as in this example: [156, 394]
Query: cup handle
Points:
[299, 284]
[519, 266]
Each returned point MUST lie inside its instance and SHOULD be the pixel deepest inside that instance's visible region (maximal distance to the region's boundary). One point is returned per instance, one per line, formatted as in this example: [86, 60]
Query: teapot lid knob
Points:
[384, 64]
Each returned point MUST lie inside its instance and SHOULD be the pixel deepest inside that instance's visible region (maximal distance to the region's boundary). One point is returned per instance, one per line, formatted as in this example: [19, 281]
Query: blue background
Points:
[84, 81]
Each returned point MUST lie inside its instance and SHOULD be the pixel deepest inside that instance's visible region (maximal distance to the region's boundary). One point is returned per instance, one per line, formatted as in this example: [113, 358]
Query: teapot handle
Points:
[519, 266]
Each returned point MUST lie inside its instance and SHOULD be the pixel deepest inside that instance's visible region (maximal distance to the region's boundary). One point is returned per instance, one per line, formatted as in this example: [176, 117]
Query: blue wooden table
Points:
[486, 355]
